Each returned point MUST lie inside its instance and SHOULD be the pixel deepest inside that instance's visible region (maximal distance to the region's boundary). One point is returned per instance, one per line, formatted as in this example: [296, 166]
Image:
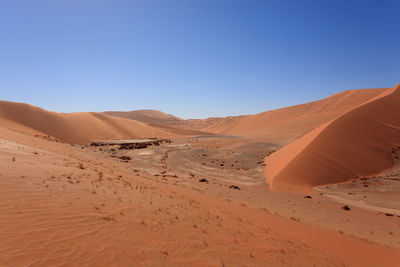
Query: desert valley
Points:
[316, 184]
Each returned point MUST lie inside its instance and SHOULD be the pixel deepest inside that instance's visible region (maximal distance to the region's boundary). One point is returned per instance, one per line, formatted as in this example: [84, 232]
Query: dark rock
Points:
[345, 207]
[234, 187]
[135, 145]
[125, 158]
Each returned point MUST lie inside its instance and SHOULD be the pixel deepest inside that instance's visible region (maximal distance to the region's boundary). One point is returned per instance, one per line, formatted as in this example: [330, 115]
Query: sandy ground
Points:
[76, 205]
[376, 193]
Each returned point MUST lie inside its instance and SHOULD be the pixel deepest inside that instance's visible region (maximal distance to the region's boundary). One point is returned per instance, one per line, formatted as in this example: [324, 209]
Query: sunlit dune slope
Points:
[358, 143]
[288, 124]
[72, 127]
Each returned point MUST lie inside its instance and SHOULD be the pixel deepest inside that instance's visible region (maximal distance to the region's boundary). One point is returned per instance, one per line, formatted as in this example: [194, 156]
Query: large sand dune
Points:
[358, 143]
[72, 127]
[288, 124]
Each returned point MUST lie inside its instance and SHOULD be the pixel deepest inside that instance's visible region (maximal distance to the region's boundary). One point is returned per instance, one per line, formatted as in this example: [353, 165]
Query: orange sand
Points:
[80, 127]
[358, 143]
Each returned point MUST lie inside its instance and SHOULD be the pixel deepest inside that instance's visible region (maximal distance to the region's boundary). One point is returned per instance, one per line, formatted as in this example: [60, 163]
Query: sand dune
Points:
[288, 124]
[279, 126]
[147, 116]
[359, 143]
[161, 119]
[74, 127]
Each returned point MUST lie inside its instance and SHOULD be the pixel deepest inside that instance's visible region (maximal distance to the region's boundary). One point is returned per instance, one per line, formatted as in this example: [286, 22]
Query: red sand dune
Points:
[147, 116]
[73, 127]
[288, 124]
[358, 143]
[163, 120]
[160, 120]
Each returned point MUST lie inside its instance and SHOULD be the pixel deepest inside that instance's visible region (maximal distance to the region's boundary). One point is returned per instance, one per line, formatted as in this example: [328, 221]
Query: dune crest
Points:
[82, 127]
[279, 126]
[147, 116]
[356, 144]
[288, 124]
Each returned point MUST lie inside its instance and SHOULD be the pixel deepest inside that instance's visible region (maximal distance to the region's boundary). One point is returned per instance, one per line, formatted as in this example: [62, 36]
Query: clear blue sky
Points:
[194, 58]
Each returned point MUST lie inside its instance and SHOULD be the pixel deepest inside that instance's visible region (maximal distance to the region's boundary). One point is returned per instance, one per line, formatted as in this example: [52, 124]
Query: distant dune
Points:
[358, 143]
[160, 120]
[147, 116]
[73, 127]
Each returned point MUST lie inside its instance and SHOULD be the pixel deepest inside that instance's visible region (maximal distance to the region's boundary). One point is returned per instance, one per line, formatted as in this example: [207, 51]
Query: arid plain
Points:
[316, 184]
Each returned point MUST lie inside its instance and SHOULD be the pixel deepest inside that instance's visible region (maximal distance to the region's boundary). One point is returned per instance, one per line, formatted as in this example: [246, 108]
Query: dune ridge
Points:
[282, 125]
[82, 127]
[356, 144]
[288, 124]
[147, 116]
